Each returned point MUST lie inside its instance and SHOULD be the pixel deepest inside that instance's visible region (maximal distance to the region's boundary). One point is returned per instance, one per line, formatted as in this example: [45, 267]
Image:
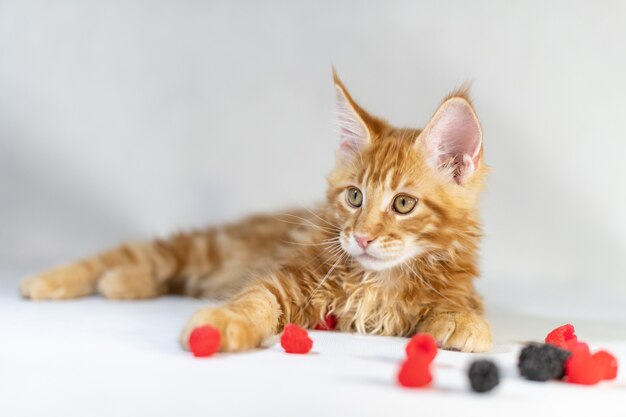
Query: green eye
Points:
[404, 204]
[354, 197]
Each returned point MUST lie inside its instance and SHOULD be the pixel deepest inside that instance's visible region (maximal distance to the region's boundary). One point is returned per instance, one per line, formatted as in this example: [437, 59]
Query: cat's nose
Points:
[363, 241]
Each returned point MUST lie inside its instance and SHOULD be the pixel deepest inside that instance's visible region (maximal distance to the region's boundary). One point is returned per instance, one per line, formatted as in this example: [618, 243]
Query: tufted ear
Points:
[453, 139]
[351, 121]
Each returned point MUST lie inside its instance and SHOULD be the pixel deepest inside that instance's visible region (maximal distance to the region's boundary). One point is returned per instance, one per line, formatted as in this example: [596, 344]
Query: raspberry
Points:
[483, 375]
[423, 345]
[575, 346]
[540, 362]
[330, 323]
[204, 341]
[414, 373]
[607, 362]
[584, 368]
[561, 335]
[295, 339]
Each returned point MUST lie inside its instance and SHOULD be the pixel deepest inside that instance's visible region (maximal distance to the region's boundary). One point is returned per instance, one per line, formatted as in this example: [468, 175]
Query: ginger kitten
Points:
[393, 251]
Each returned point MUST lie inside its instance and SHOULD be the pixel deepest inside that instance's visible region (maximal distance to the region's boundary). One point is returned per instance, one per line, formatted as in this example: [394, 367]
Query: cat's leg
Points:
[205, 263]
[130, 282]
[259, 311]
[458, 329]
[128, 271]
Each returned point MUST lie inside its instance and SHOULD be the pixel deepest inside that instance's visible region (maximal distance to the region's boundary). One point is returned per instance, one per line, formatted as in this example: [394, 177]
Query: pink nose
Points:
[363, 241]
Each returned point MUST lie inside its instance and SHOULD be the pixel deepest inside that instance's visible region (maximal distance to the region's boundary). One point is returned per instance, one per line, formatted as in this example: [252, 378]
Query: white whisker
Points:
[330, 271]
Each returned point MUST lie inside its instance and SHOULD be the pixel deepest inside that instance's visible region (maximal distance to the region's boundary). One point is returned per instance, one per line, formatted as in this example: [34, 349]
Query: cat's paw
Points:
[68, 281]
[467, 332]
[237, 332]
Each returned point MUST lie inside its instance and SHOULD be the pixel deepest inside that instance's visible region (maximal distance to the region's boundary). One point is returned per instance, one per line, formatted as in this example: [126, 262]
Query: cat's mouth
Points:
[372, 257]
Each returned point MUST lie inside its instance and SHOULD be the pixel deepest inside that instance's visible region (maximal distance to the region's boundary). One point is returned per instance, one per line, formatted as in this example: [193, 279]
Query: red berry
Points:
[423, 345]
[414, 372]
[561, 335]
[204, 341]
[583, 368]
[607, 362]
[330, 323]
[576, 346]
[295, 339]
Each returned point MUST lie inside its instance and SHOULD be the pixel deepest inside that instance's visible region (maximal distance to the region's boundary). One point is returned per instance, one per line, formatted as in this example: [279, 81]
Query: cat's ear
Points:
[453, 139]
[351, 121]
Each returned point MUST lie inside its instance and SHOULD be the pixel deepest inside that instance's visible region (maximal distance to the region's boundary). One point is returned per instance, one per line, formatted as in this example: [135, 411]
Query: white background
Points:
[121, 120]
[129, 119]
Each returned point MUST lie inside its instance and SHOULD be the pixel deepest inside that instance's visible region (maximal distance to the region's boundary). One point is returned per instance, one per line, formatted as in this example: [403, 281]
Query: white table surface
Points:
[93, 357]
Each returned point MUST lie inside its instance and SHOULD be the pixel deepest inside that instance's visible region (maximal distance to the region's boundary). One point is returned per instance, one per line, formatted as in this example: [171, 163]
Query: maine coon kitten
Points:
[393, 250]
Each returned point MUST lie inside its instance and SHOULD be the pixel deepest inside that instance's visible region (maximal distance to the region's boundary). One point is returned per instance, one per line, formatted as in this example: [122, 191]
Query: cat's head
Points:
[397, 194]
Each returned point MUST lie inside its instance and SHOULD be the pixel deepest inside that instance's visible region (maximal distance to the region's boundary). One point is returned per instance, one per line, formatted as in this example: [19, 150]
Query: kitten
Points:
[393, 251]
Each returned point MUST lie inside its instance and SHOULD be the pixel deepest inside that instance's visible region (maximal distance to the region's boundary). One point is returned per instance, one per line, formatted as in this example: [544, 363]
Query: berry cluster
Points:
[564, 357]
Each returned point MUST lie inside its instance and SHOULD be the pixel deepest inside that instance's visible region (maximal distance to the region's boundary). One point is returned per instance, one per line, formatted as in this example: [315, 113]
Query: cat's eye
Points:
[404, 204]
[354, 197]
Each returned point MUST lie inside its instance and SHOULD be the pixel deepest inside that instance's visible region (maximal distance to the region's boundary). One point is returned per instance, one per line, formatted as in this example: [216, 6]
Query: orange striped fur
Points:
[300, 266]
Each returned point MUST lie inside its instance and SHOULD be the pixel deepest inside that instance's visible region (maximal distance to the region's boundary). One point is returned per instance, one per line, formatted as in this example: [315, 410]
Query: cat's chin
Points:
[372, 263]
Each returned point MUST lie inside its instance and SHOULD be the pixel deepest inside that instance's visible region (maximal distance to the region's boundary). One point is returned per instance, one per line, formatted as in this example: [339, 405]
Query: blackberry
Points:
[541, 362]
[483, 375]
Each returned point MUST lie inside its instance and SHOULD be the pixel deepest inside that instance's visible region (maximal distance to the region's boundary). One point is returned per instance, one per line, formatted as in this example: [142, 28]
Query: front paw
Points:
[237, 332]
[467, 332]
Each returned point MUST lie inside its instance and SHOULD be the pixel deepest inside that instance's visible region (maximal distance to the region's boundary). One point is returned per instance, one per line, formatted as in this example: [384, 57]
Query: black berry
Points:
[483, 376]
[541, 362]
